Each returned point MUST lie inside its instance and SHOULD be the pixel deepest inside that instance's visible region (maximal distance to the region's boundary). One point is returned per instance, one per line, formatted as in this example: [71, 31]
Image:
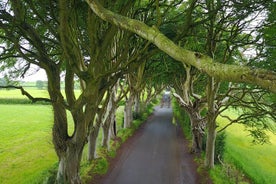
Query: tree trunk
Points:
[109, 118]
[128, 117]
[92, 140]
[210, 144]
[197, 132]
[69, 166]
[68, 149]
[211, 122]
[113, 129]
[137, 105]
[105, 139]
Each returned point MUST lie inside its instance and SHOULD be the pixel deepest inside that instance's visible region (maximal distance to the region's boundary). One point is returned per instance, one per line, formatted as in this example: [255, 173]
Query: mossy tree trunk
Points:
[128, 114]
[192, 104]
[212, 89]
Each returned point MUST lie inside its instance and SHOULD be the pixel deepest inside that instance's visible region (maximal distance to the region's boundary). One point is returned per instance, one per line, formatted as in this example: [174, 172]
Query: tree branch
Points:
[24, 92]
[222, 72]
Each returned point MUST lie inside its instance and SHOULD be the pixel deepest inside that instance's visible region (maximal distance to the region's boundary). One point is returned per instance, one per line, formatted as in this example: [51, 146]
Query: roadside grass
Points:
[256, 161]
[241, 156]
[27, 154]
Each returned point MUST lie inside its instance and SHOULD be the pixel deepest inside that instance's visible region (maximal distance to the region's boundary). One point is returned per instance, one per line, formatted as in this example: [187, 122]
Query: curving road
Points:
[156, 156]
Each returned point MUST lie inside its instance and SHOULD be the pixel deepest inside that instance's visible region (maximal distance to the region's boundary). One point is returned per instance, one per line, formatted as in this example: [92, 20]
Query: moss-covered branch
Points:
[223, 72]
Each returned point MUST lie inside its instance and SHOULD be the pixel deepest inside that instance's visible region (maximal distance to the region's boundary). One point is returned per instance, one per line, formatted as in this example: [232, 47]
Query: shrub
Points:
[182, 118]
[219, 147]
[101, 165]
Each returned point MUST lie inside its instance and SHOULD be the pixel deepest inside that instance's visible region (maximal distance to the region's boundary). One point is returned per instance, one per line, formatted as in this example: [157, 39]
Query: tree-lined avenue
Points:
[157, 155]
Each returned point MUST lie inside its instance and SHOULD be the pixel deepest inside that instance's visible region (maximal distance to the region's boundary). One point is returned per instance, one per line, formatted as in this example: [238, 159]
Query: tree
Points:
[217, 72]
[83, 51]
[39, 84]
[222, 72]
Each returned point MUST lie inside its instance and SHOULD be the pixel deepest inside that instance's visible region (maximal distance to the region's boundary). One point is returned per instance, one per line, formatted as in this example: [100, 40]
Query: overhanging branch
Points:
[222, 72]
[24, 92]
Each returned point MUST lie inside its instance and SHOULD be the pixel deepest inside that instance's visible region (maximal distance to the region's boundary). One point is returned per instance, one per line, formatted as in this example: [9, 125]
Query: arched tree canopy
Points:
[235, 73]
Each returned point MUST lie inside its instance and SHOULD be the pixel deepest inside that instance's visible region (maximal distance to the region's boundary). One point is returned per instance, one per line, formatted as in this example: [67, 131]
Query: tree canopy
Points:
[199, 47]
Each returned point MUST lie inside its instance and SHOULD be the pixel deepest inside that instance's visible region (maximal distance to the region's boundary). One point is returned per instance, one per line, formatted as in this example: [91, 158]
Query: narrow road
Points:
[156, 156]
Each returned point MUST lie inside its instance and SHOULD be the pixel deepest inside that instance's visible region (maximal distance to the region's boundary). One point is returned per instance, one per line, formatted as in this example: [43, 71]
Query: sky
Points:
[32, 75]
[39, 75]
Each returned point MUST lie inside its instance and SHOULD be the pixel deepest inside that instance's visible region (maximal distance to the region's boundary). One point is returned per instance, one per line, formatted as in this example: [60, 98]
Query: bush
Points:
[101, 165]
[182, 118]
[20, 101]
[137, 116]
[219, 147]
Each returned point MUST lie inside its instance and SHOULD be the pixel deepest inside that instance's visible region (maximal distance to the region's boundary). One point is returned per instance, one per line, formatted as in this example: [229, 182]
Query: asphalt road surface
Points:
[156, 156]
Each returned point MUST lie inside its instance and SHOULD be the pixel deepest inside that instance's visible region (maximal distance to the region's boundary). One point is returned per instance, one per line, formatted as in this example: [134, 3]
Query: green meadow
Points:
[258, 162]
[27, 154]
[26, 151]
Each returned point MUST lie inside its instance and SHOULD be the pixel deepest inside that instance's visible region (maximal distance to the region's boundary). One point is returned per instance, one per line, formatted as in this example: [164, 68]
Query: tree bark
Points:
[137, 105]
[222, 72]
[92, 140]
[211, 123]
[113, 127]
[128, 115]
[197, 132]
[69, 165]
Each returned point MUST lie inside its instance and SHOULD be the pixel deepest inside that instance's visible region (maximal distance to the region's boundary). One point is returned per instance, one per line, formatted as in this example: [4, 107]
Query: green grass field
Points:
[257, 161]
[15, 93]
[26, 151]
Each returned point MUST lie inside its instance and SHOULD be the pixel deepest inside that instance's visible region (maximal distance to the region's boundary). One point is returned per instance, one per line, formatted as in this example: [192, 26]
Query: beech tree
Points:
[52, 36]
[67, 36]
[206, 63]
[223, 72]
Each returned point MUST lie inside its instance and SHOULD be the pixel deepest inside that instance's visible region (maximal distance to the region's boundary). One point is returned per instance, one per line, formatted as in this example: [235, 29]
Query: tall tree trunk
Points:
[128, 116]
[211, 123]
[92, 139]
[106, 132]
[68, 149]
[69, 165]
[137, 105]
[113, 126]
[109, 117]
[210, 144]
[197, 132]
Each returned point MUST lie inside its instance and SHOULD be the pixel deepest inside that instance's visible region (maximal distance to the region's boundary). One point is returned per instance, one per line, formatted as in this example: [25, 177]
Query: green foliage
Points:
[219, 147]
[40, 84]
[3, 82]
[182, 119]
[101, 166]
[227, 174]
[255, 160]
[20, 101]
[125, 133]
[218, 176]
[137, 116]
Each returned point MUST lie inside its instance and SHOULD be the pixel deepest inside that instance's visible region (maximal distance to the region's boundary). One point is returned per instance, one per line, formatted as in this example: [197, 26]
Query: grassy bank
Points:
[257, 162]
[27, 154]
